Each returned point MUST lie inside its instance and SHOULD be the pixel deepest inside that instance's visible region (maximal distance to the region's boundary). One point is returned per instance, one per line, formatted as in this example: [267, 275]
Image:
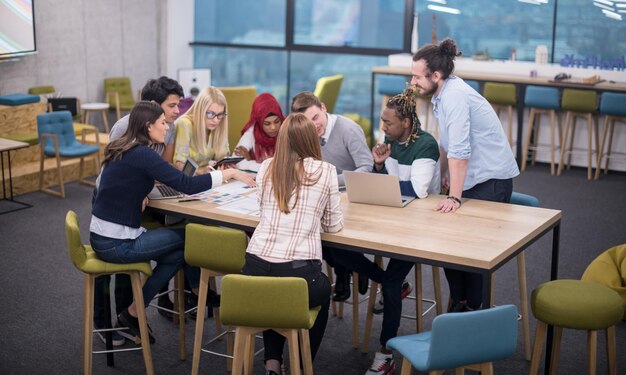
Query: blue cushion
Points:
[524, 200]
[542, 97]
[391, 85]
[60, 124]
[613, 104]
[18, 99]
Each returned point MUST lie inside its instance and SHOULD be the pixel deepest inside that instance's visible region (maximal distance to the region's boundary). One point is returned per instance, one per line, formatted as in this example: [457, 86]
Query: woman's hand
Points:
[243, 152]
[238, 175]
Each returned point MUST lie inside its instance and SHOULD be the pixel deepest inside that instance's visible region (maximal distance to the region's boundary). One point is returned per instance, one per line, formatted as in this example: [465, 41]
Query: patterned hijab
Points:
[264, 106]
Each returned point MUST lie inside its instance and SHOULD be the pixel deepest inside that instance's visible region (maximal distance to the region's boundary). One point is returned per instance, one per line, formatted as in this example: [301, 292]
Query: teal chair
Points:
[461, 339]
[57, 139]
[474, 84]
[579, 104]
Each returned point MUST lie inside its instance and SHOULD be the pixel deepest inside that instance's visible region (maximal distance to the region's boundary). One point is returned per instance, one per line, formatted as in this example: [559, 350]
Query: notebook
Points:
[64, 104]
[375, 188]
[160, 191]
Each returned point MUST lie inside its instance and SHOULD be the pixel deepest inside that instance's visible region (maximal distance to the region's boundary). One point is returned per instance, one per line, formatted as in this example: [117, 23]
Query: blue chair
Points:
[541, 100]
[613, 108]
[474, 84]
[57, 139]
[388, 86]
[461, 339]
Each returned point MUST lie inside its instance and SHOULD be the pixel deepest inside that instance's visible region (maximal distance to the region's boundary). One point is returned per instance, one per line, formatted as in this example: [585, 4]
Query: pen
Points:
[188, 200]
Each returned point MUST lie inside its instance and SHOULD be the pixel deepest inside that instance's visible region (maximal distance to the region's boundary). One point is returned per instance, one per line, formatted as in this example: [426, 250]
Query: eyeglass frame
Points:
[211, 115]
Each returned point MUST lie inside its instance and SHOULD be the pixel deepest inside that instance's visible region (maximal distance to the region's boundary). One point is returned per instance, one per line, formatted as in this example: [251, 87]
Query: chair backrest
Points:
[59, 123]
[218, 249]
[239, 105]
[609, 269]
[524, 199]
[582, 101]
[459, 339]
[74, 244]
[42, 90]
[327, 90]
[261, 301]
[122, 86]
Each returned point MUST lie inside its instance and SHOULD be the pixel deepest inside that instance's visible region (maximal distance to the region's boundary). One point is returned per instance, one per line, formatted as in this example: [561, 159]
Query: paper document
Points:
[246, 205]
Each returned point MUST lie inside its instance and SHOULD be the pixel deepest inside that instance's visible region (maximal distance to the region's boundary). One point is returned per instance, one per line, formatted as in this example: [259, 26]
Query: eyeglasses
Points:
[211, 115]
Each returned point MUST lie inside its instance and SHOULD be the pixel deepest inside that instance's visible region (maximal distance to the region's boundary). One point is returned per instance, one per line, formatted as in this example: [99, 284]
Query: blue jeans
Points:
[468, 286]
[163, 245]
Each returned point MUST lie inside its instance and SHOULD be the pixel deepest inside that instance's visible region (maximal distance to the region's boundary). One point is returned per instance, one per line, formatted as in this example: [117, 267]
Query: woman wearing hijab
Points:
[258, 137]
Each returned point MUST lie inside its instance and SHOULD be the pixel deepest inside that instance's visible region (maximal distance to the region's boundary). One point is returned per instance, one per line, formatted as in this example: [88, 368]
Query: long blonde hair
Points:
[196, 114]
[297, 139]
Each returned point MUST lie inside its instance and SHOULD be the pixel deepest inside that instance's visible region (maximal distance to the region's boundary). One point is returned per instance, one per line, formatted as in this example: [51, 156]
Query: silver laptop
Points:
[160, 191]
[375, 188]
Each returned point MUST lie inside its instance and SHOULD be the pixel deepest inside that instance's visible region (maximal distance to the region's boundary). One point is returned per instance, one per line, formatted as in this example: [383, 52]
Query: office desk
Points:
[8, 145]
[520, 82]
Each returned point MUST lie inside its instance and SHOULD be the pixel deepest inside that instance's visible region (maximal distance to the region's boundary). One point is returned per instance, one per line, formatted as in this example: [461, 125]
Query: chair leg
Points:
[437, 288]
[355, 310]
[486, 368]
[536, 138]
[88, 323]
[601, 150]
[143, 324]
[406, 367]
[608, 152]
[596, 136]
[540, 334]
[523, 298]
[563, 143]
[571, 141]
[305, 350]
[179, 282]
[331, 277]
[239, 350]
[459, 371]
[610, 351]
[590, 131]
[556, 350]
[592, 350]
[294, 350]
[370, 306]
[510, 110]
[248, 359]
[529, 131]
[197, 341]
[552, 143]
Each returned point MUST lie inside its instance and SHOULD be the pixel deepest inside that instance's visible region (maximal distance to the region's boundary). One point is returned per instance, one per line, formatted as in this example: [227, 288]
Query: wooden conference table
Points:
[520, 81]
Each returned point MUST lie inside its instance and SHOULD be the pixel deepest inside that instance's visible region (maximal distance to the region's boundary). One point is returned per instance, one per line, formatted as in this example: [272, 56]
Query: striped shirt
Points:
[296, 235]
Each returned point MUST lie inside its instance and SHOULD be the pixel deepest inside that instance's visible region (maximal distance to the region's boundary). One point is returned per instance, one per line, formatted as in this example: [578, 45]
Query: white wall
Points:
[180, 26]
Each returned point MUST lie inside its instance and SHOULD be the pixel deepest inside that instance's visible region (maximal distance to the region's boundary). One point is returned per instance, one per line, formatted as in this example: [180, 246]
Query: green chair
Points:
[579, 104]
[42, 90]
[575, 304]
[502, 96]
[119, 94]
[239, 105]
[216, 251]
[365, 124]
[245, 305]
[609, 269]
[327, 90]
[86, 261]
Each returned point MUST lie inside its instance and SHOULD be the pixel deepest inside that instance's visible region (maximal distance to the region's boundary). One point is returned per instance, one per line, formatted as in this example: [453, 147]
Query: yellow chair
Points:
[609, 269]
[86, 261]
[42, 90]
[502, 96]
[119, 94]
[239, 105]
[216, 251]
[327, 90]
[245, 305]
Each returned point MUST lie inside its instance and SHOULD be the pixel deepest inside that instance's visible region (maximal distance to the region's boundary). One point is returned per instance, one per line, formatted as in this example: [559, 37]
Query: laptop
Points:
[64, 104]
[375, 188]
[160, 191]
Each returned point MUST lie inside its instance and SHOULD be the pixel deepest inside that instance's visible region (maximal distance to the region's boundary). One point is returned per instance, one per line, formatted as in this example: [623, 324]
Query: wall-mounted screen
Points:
[17, 29]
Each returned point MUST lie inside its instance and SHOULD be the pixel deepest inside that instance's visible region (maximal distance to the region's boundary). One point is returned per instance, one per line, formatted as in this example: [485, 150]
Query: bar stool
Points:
[337, 307]
[575, 304]
[541, 100]
[502, 96]
[419, 302]
[474, 84]
[388, 86]
[579, 104]
[613, 108]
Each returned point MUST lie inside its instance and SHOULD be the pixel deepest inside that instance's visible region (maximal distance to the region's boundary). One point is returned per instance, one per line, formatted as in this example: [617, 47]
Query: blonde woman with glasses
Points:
[202, 132]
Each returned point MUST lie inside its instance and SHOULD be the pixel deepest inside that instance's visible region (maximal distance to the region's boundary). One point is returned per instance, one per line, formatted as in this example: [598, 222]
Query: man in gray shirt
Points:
[343, 145]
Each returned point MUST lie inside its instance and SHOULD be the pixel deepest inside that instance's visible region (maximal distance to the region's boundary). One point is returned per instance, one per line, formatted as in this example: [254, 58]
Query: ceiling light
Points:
[604, 7]
[613, 15]
[438, 8]
[607, 2]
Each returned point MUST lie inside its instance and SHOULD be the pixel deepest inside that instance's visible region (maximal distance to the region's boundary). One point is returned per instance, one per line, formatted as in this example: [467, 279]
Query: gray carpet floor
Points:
[41, 291]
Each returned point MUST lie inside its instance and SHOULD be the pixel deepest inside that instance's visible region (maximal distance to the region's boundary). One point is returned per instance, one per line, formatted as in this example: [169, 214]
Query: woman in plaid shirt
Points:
[299, 197]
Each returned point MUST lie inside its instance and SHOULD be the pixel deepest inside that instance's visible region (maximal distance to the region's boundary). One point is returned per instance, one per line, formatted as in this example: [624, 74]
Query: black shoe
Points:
[456, 307]
[125, 320]
[213, 300]
[164, 301]
[364, 282]
[342, 287]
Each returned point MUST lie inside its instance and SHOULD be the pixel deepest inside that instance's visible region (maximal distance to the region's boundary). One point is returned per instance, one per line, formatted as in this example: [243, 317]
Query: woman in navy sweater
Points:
[129, 170]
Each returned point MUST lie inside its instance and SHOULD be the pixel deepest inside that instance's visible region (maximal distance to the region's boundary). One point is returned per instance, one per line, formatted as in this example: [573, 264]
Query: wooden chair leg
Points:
[305, 350]
[143, 324]
[294, 351]
[88, 300]
[248, 360]
[239, 350]
[179, 282]
[608, 152]
[596, 136]
[459, 371]
[355, 310]
[486, 368]
[592, 351]
[197, 341]
[437, 288]
[540, 334]
[526, 146]
[331, 279]
[563, 144]
[602, 146]
[370, 306]
[590, 131]
[535, 140]
[552, 143]
[523, 298]
[610, 351]
[571, 141]
[556, 350]
[406, 367]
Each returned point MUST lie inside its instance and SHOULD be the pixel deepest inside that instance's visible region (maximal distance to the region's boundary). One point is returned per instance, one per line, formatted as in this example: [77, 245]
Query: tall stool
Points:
[337, 307]
[388, 86]
[579, 104]
[217, 251]
[541, 100]
[85, 260]
[613, 108]
[502, 96]
[419, 302]
[575, 304]
[245, 304]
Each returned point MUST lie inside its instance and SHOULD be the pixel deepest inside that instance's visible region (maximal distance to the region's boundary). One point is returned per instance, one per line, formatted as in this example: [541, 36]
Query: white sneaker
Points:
[379, 306]
[383, 365]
